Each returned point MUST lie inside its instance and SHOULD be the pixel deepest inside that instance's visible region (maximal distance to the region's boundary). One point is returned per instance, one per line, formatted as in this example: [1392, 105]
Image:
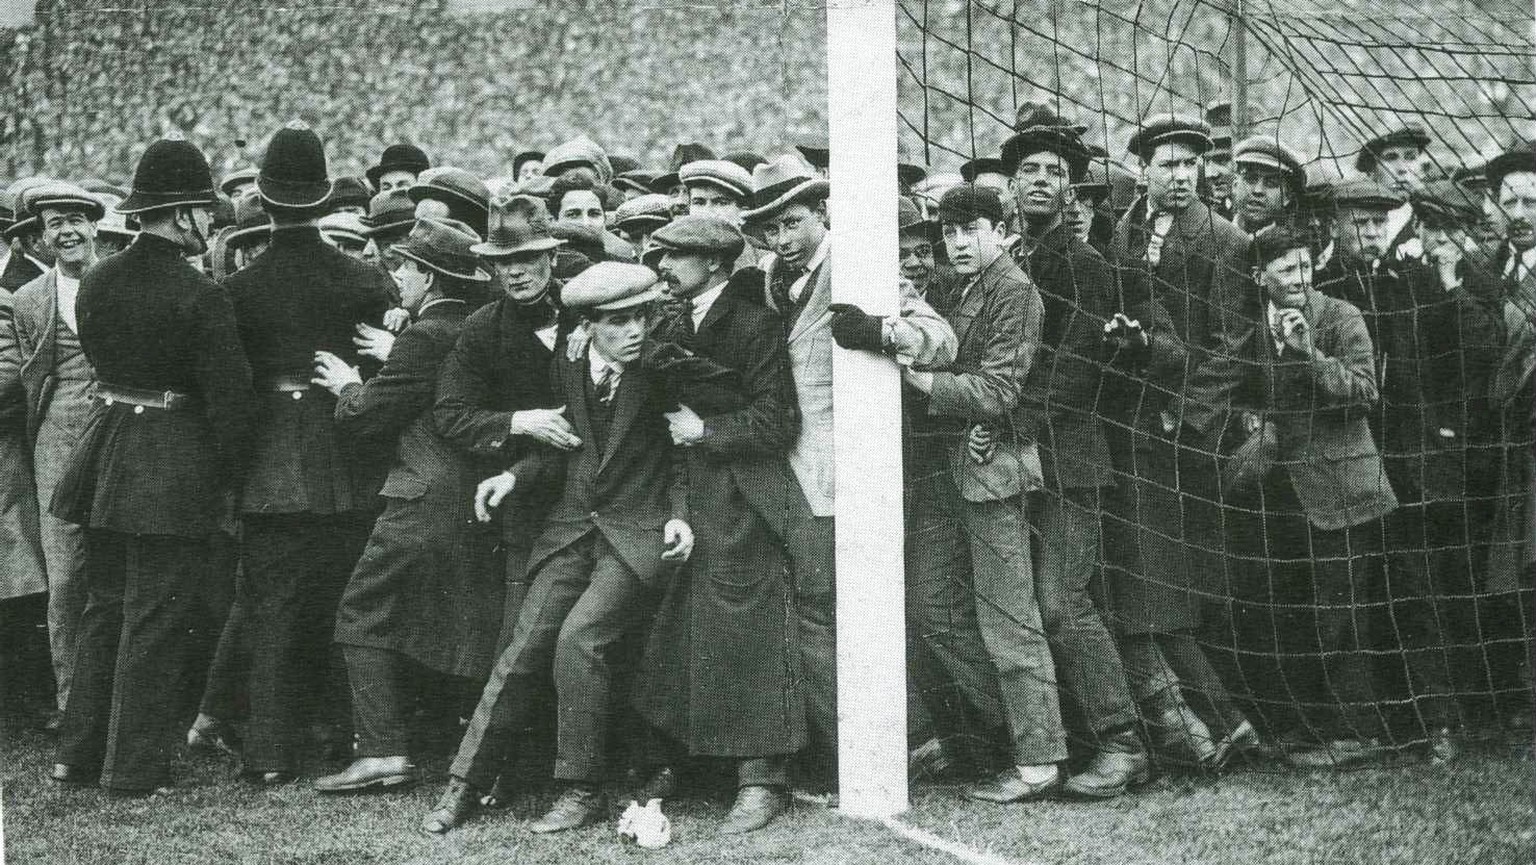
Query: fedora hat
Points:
[1032, 114]
[816, 152]
[517, 224]
[909, 220]
[390, 212]
[237, 178]
[444, 246]
[172, 172]
[463, 192]
[777, 184]
[1060, 140]
[293, 170]
[398, 157]
[61, 196]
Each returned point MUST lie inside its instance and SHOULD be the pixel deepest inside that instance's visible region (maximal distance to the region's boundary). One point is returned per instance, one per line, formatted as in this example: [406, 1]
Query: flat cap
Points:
[60, 195]
[1447, 203]
[1273, 241]
[719, 173]
[968, 202]
[611, 285]
[982, 165]
[1410, 134]
[652, 209]
[1365, 193]
[639, 180]
[1165, 128]
[579, 151]
[1266, 151]
[703, 233]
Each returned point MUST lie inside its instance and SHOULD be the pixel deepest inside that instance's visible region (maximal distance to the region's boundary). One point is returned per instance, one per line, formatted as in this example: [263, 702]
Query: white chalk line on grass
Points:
[922, 837]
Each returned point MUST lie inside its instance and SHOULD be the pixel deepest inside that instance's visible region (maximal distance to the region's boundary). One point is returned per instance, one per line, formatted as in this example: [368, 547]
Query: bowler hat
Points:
[682, 154]
[610, 285]
[982, 165]
[398, 157]
[1219, 113]
[645, 212]
[1410, 134]
[639, 180]
[1267, 151]
[390, 211]
[968, 202]
[467, 196]
[348, 192]
[293, 171]
[61, 196]
[445, 246]
[1166, 128]
[171, 173]
[780, 183]
[237, 178]
[1363, 192]
[518, 224]
[702, 233]
[1521, 157]
[719, 173]
[1048, 139]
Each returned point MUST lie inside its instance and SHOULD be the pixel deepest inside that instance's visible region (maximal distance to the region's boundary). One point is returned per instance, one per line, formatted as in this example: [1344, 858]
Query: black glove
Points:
[855, 329]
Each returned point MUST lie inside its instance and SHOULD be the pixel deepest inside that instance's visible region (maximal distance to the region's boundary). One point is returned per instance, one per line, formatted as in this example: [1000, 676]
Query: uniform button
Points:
[138, 409]
[298, 394]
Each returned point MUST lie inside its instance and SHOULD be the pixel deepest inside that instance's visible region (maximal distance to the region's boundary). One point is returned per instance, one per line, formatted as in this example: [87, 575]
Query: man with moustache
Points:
[619, 522]
[149, 480]
[59, 383]
[716, 674]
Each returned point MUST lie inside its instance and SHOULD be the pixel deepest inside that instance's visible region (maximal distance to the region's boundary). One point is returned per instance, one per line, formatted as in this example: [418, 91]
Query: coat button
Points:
[138, 409]
[298, 394]
[110, 401]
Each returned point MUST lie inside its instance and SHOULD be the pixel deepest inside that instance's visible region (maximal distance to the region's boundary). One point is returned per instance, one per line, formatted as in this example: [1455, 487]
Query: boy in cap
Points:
[619, 522]
[58, 381]
[160, 453]
[423, 597]
[308, 497]
[1294, 388]
[716, 674]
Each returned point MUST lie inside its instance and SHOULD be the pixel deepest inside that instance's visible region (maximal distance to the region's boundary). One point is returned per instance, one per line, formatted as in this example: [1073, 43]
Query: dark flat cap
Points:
[1276, 240]
[1447, 203]
[1411, 134]
[703, 233]
[1365, 193]
[968, 202]
[1165, 128]
[1266, 151]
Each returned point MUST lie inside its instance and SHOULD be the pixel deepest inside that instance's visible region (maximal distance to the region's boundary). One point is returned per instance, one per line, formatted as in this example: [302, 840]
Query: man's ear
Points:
[821, 213]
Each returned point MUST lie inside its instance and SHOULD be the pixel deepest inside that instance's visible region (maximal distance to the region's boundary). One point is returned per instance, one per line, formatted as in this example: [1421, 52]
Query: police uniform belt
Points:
[167, 400]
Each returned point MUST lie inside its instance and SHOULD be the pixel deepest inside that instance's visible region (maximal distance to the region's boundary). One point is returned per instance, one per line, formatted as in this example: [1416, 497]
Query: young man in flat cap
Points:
[582, 157]
[996, 312]
[424, 598]
[1293, 390]
[30, 258]
[788, 211]
[716, 674]
[721, 188]
[58, 382]
[149, 480]
[1267, 182]
[308, 498]
[1398, 160]
[639, 217]
[620, 521]
[1218, 166]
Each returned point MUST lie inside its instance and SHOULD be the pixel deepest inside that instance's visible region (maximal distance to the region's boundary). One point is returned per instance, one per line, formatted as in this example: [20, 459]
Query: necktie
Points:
[1160, 225]
[605, 385]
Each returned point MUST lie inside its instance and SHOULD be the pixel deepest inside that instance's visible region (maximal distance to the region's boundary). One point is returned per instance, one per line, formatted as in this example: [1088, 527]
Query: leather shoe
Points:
[1338, 753]
[370, 775]
[575, 808]
[457, 803]
[1009, 786]
[74, 776]
[211, 734]
[1180, 738]
[1120, 764]
[755, 807]
[1239, 741]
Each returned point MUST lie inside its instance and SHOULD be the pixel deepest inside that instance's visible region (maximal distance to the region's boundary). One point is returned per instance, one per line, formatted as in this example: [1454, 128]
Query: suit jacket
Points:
[1060, 398]
[425, 584]
[21, 556]
[298, 297]
[19, 270]
[148, 320]
[37, 321]
[996, 316]
[498, 366]
[1200, 278]
[810, 358]
[625, 484]
[1320, 408]
[1434, 349]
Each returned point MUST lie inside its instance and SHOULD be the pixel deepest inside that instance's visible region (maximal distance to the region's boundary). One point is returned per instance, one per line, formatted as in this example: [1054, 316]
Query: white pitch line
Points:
[920, 837]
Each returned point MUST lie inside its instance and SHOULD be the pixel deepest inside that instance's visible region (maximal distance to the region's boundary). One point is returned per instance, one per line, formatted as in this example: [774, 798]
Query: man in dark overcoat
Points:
[424, 598]
[716, 672]
[597, 565]
[151, 477]
[308, 499]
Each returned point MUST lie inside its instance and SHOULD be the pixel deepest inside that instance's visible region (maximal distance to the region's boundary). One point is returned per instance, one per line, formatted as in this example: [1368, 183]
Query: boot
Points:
[1120, 764]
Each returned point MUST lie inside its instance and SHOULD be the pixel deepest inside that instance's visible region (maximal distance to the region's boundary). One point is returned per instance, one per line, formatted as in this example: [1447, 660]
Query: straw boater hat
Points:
[61, 196]
[171, 173]
[780, 183]
[682, 154]
[238, 177]
[517, 224]
[444, 246]
[719, 173]
[293, 171]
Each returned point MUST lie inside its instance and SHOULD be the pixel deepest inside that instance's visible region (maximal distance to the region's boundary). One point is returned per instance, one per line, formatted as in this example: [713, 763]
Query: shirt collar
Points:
[703, 301]
[596, 363]
[435, 302]
[819, 256]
